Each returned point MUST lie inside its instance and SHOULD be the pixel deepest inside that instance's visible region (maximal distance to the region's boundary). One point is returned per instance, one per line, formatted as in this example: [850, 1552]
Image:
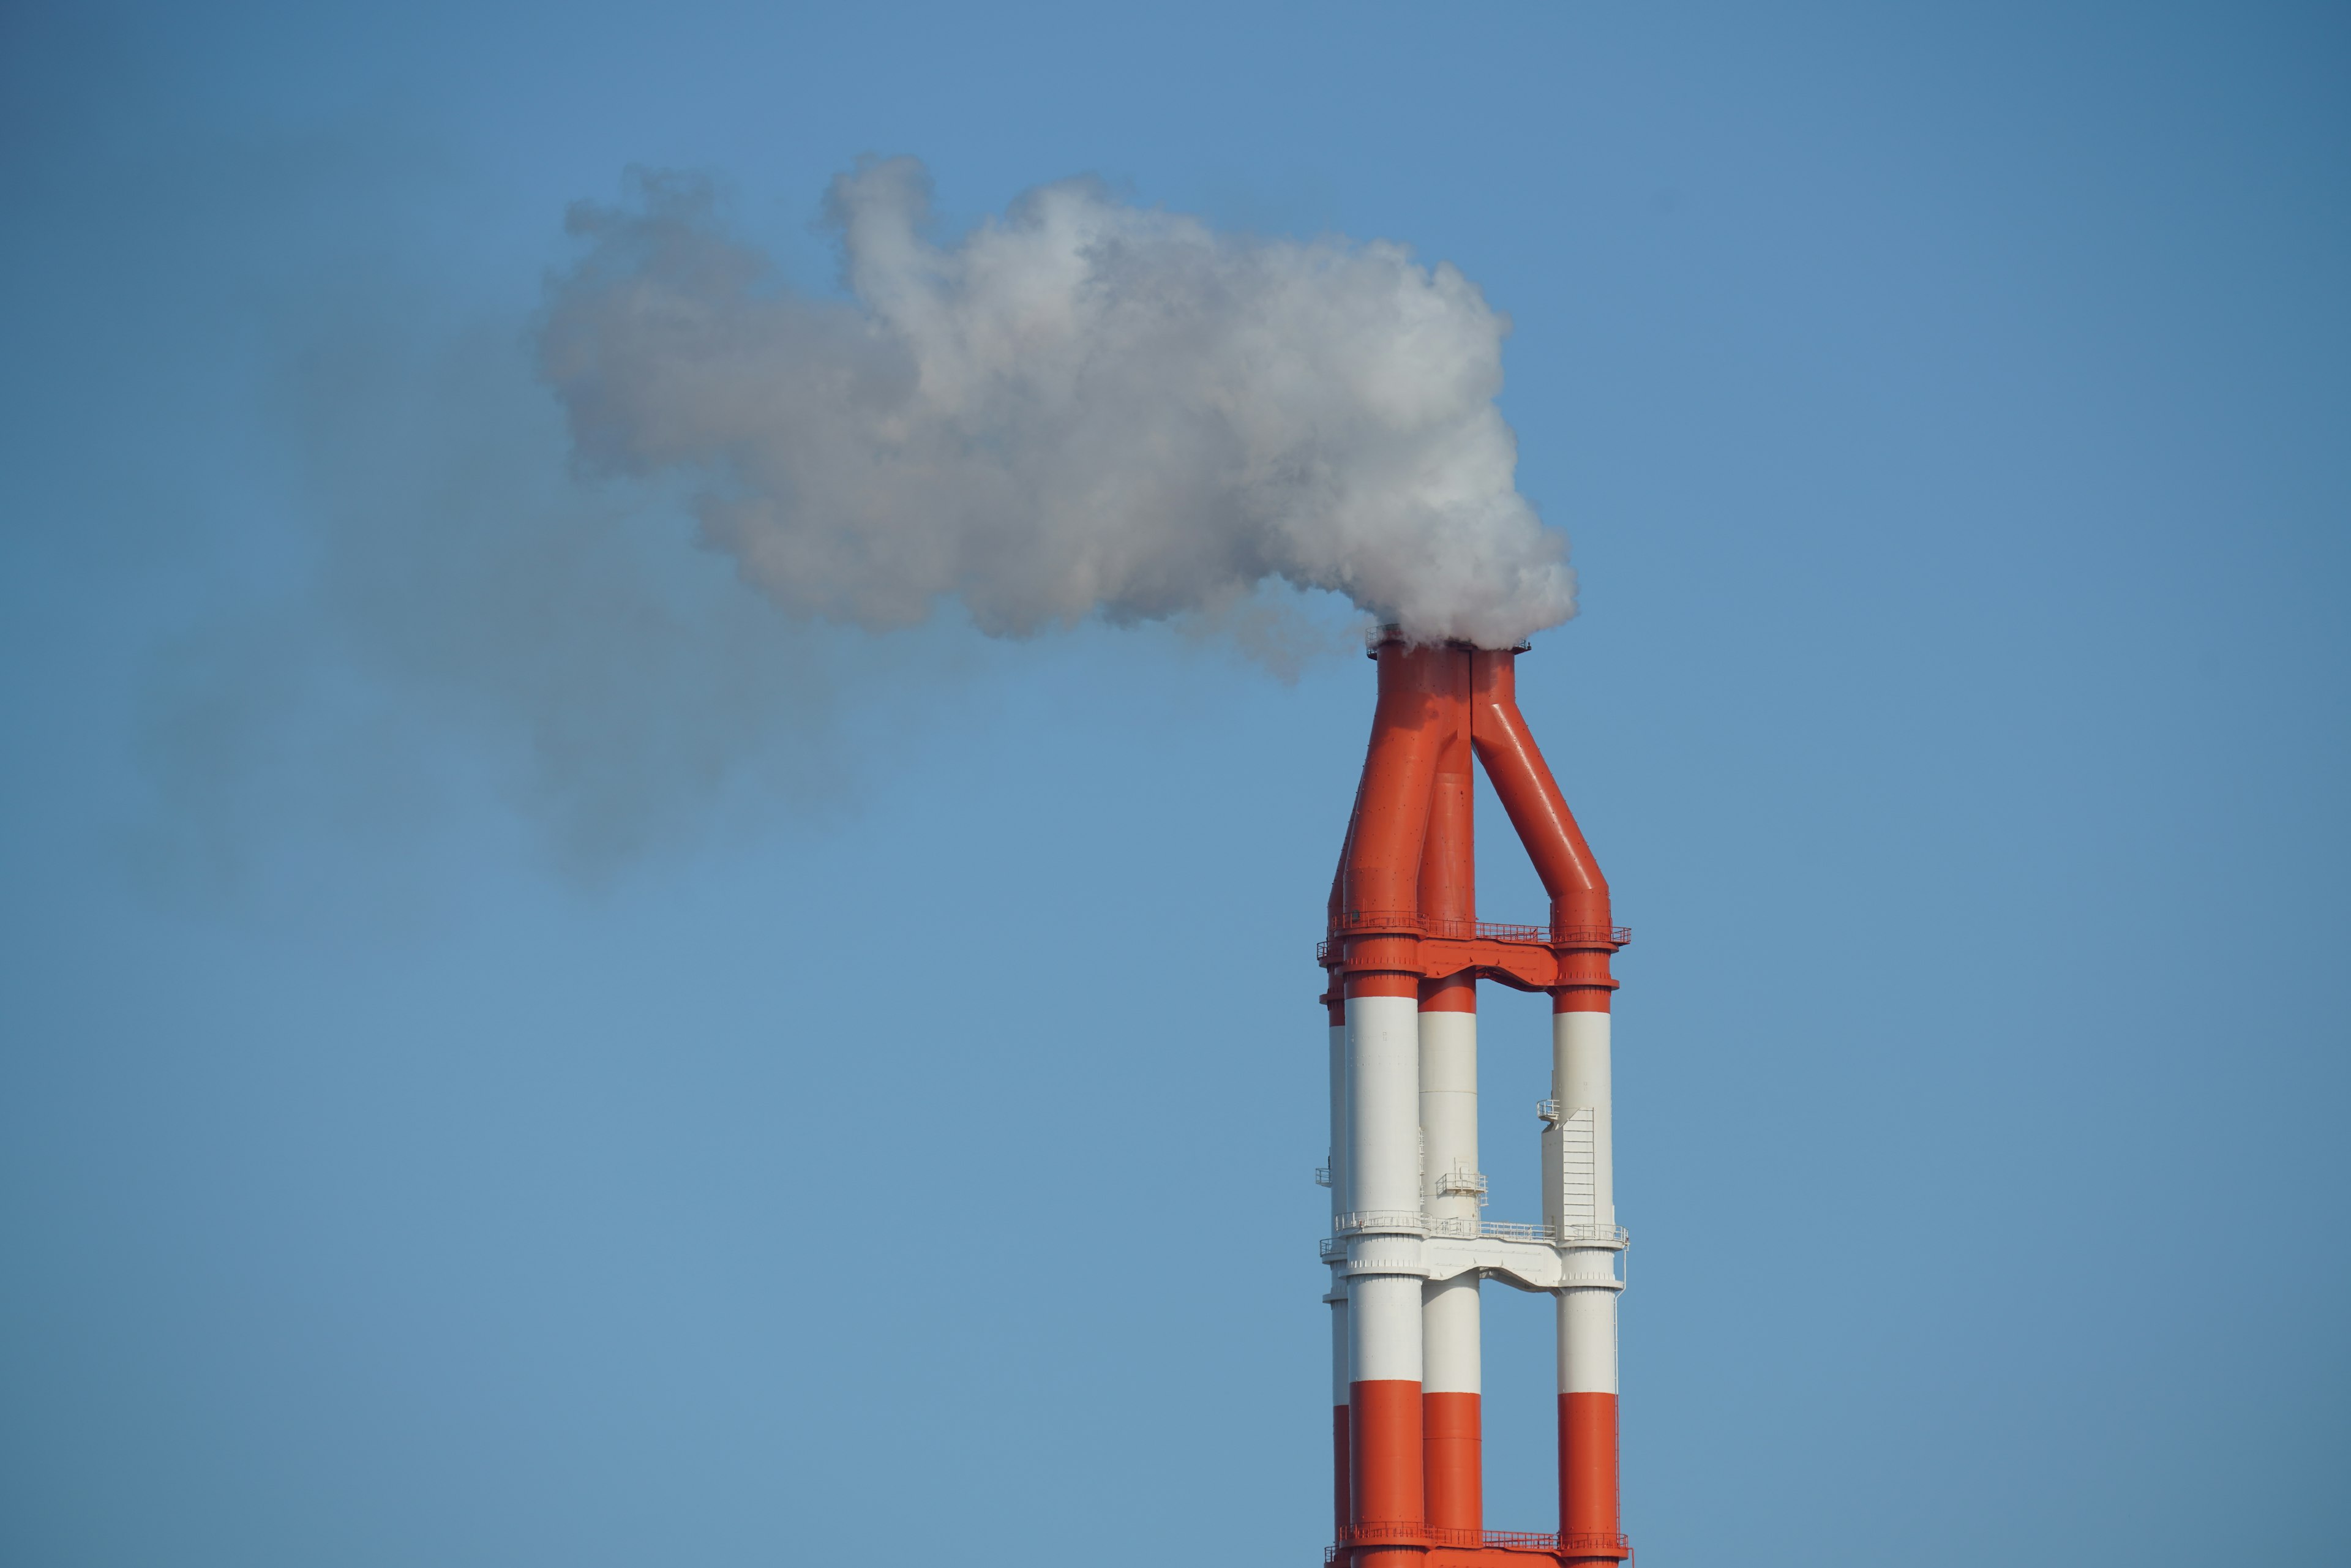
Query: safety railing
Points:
[1355, 920]
[1512, 1230]
[1590, 936]
[1594, 1235]
[1471, 1229]
[1411, 1532]
[1407, 1220]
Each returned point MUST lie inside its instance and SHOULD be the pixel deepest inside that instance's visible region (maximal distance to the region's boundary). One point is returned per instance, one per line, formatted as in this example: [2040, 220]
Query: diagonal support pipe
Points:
[1531, 796]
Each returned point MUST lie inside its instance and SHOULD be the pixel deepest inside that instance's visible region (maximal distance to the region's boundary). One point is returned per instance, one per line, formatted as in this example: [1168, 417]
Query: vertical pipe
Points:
[1399, 775]
[1380, 918]
[1530, 797]
[1342, 1478]
[1343, 1510]
[1384, 1325]
[1585, 1200]
[1335, 1172]
[1451, 1437]
[1578, 1156]
[1452, 1459]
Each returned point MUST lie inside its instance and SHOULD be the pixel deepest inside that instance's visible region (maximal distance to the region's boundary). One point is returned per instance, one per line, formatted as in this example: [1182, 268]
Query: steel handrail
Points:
[1409, 1221]
[1470, 1229]
[1355, 921]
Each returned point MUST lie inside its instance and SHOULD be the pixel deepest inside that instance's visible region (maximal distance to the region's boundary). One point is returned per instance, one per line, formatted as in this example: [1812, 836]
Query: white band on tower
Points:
[1383, 1156]
[1580, 1198]
[1382, 1174]
[1336, 1173]
[1450, 1191]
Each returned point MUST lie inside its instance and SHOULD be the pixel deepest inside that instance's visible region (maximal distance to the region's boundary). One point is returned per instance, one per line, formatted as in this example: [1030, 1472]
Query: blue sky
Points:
[512, 1053]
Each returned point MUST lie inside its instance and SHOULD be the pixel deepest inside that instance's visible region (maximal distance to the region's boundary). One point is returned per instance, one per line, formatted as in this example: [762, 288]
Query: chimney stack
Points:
[1409, 1246]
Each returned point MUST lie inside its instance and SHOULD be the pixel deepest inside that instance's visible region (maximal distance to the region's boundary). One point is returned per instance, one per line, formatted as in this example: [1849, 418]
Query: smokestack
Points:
[1452, 1185]
[1084, 409]
[1409, 1243]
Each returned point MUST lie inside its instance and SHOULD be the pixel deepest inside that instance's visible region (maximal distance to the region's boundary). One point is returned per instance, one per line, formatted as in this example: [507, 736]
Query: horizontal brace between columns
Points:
[1524, 958]
[1525, 1265]
[1520, 965]
[1522, 1265]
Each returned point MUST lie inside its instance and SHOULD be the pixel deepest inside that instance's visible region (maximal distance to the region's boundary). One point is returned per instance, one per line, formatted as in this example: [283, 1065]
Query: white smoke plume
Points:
[1082, 407]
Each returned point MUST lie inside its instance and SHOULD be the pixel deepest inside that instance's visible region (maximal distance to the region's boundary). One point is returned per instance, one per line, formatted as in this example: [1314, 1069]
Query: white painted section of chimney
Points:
[1451, 1361]
[1383, 1328]
[1338, 1167]
[1383, 1178]
[1450, 1354]
[1338, 1172]
[1448, 1110]
[1339, 1351]
[1587, 1341]
[1384, 1105]
[1579, 1190]
[1579, 1078]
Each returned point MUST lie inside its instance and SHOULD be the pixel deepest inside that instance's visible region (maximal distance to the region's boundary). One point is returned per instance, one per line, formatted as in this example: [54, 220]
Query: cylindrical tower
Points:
[1452, 1184]
[1583, 1210]
[1578, 1200]
[1382, 1222]
[1335, 1174]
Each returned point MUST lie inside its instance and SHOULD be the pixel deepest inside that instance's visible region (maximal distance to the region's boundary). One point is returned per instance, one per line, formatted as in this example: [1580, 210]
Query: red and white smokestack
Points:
[1582, 1207]
[1335, 1176]
[1452, 1184]
[1578, 1160]
[1408, 1248]
[1382, 1224]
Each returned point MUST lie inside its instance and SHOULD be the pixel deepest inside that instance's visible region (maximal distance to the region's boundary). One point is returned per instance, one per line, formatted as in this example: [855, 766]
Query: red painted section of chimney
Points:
[1588, 1511]
[1384, 1448]
[1532, 798]
[1338, 903]
[1392, 819]
[1448, 856]
[1452, 1457]
[1453, 1465]
[1343, 1486]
